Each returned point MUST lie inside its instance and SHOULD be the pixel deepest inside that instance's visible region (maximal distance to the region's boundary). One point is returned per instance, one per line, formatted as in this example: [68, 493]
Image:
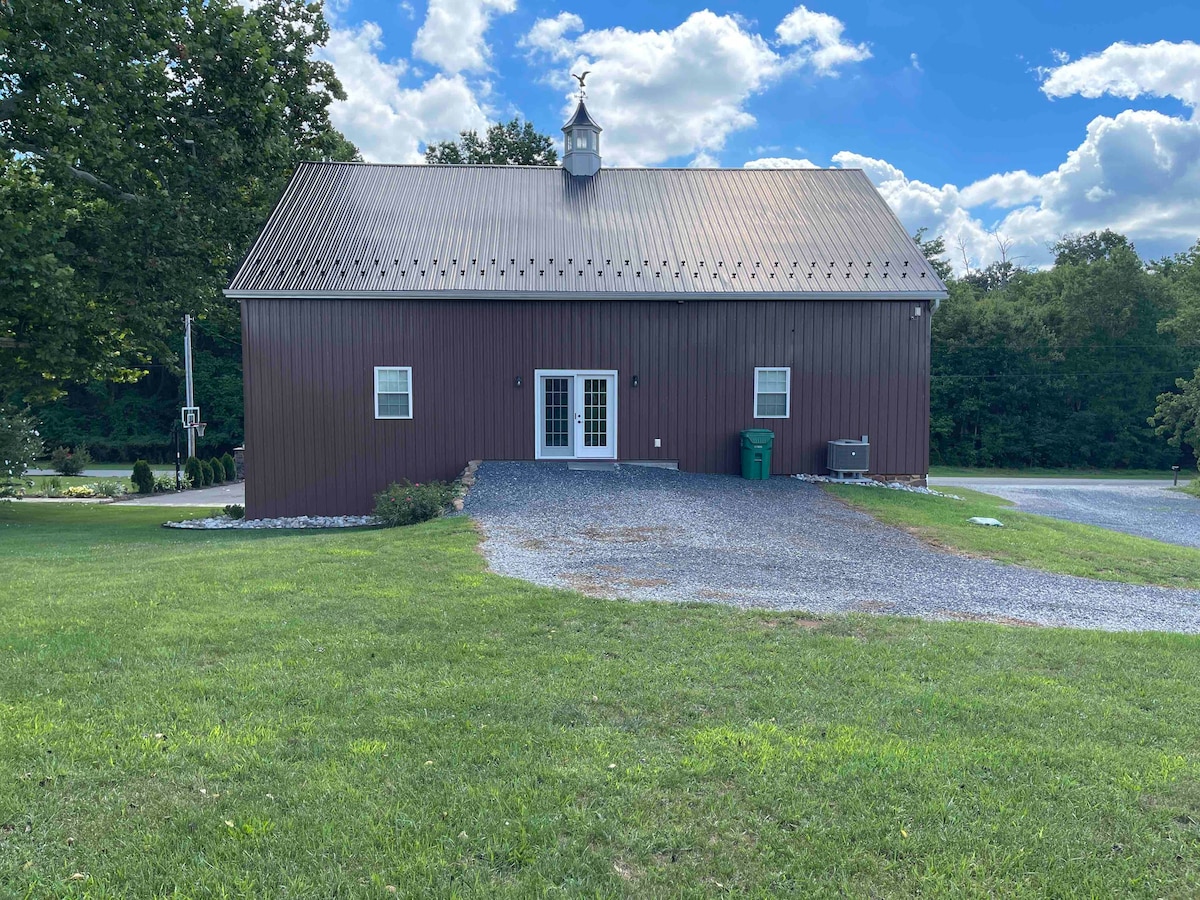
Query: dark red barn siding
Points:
[313, 445]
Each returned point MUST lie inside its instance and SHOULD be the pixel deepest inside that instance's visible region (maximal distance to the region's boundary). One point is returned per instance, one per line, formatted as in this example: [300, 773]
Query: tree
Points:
[20, 445]
[503, 144]
[1177, 416]
[141, 146]
[933, 250]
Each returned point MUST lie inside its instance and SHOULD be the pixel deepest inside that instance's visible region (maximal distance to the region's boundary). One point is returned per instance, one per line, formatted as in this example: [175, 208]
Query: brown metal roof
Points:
[358, 229]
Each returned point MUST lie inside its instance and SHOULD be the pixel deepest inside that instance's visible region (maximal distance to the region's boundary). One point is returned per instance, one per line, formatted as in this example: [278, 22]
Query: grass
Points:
[266, 714]
[126, 467]
[1026, 539]
[1192, 487]
[967, 472]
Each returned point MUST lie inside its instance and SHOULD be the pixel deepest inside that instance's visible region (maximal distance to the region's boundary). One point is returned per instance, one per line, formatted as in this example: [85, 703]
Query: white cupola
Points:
[581, 148]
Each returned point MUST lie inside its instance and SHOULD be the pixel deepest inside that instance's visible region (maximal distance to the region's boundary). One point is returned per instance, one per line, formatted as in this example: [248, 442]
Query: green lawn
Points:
[965, 472]
[1026, 539]
[298, 714]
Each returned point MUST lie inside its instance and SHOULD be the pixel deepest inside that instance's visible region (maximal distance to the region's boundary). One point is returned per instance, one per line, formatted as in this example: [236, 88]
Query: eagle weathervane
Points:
[580, 79]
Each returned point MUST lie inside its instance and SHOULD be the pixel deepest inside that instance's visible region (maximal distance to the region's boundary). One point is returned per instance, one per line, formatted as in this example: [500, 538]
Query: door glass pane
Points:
[595, 412]
[557, 411]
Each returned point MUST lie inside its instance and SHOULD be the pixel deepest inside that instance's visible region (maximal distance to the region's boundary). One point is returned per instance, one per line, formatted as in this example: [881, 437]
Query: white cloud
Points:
[915, 61]
[452, 35]
[1137, 173]
[818, 39]
[780, 162]
[682, 91]
[1163, 69]
[386, 120]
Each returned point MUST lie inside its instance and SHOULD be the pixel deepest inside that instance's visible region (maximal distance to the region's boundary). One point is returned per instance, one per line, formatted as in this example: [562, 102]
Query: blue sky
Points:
[993, 125]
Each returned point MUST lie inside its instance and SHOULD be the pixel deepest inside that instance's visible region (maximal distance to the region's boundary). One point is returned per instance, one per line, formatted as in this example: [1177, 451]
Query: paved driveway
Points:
[653, 534]
[1147, 508]
[217, 495]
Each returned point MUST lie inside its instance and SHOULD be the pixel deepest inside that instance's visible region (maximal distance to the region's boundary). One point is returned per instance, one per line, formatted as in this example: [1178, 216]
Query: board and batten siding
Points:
[314, 446]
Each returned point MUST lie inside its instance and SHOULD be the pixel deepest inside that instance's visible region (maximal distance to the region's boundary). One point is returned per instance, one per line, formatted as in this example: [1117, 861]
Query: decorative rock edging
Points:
[224, 522]
[870, 482]
[464, 483]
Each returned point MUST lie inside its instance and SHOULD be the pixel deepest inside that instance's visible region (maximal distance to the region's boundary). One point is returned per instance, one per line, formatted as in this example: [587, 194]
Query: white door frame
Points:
[538, 412]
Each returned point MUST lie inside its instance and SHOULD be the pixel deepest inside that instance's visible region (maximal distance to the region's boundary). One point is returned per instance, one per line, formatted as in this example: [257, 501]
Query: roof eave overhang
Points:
[677, 296]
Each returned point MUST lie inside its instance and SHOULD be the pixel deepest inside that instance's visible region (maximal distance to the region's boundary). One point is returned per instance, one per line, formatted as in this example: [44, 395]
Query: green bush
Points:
[143, 477]
[218, 469]
[163, 483]
[230, 467]
[66, 462]
[111, 487]
[52, 487]
[191, 469]
[407, 503]
[235, 511]
[206, 473]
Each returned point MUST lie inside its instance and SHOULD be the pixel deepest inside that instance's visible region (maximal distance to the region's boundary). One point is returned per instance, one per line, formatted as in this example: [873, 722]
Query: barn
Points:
[401, 320]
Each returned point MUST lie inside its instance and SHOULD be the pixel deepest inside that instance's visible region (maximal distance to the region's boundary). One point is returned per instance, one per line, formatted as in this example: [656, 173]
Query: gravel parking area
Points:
[1145, 508]
[653, 534]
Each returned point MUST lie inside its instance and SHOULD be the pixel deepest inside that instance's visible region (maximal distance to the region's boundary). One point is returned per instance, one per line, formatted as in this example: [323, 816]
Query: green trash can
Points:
[756, 453]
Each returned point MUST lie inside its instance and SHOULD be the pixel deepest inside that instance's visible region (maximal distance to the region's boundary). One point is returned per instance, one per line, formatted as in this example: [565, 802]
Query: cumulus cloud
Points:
[1137, 172]
[387, 120]
[452, 35]
[780, 162]
[817, 37]
[682, 91]
[1162, 69]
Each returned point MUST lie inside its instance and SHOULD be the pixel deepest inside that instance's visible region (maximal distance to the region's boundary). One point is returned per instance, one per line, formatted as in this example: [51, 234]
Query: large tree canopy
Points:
[503, 144]
[141, 145]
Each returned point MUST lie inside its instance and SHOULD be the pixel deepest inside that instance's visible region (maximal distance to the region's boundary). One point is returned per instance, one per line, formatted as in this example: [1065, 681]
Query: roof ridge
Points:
[425, 165]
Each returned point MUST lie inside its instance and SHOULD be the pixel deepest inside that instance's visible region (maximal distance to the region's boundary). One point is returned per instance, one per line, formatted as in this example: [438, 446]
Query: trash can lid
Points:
[758, 436]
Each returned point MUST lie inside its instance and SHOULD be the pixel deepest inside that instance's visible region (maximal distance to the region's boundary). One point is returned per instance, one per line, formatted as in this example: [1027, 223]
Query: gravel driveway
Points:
[1146, 508]
[654, 534]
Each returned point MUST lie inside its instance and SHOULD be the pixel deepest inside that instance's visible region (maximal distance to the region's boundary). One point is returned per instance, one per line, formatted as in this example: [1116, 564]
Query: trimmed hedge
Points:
[230, 467]
[218, 469]
[143, 477]
[193, 471]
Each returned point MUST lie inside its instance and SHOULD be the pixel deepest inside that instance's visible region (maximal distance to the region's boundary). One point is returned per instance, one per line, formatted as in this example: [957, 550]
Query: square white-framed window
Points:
[393, 392]
[772, 392]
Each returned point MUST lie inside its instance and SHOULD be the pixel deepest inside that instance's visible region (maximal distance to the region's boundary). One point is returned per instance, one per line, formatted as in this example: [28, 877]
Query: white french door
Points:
[576, 414]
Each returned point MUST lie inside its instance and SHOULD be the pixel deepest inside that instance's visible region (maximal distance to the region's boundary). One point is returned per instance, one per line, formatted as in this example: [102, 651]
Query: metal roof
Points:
[581, 117]
[361, 229]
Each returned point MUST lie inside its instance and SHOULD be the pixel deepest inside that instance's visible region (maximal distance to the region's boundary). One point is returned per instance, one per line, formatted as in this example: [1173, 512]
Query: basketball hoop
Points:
[200, 429]
[190, 415]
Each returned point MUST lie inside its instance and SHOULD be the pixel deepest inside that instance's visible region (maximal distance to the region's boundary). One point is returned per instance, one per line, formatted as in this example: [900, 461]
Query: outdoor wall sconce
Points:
[518, 381]
[635, 381]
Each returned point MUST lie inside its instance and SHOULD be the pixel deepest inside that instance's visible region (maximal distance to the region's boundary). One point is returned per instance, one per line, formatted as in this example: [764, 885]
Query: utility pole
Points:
[187, 367]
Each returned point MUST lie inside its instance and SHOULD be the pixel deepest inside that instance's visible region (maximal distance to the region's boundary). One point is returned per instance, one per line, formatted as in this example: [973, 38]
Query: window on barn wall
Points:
[772, 393]
[393, 392]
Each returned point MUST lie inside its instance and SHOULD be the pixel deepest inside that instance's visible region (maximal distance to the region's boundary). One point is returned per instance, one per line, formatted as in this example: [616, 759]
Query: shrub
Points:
[230, 467]
[110, 487]
[143, 477]
[235, 511]
[52, 486]
[218, 470]
[20, 445]
[79, 490]
[206, 473]
[407, 503]
[192, 470]
[164, 483]
[66, 462]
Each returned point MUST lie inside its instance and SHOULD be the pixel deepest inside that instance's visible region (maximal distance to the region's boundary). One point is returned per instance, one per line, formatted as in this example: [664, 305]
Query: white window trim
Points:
[407, 369]
[787, 398]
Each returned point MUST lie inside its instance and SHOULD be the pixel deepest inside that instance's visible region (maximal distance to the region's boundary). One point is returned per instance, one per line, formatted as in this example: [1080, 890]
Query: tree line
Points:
[143, 146]
[1086, 363]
